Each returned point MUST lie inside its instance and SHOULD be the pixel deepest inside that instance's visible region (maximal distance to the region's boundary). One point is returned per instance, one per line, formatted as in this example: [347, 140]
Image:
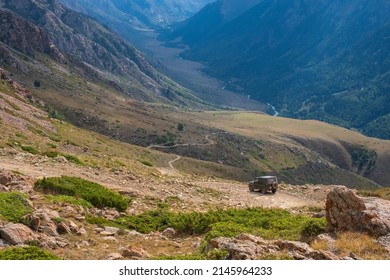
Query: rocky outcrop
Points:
[345, 211]
[17, 234]
[250, 247]
[10, 181]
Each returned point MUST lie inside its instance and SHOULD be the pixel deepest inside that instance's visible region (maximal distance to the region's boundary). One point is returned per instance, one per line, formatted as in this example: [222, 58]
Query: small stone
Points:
[169, 233]
[115, 256]
[82, 231]
[113, 230]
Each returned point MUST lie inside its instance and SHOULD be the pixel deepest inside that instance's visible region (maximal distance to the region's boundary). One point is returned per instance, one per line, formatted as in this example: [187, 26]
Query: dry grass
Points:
[356, 244]
[320, 245]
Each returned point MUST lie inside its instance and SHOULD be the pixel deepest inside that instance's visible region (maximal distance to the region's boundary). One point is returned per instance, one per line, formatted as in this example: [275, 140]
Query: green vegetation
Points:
[98, 195]
[26, 253]
[268, 223]
[69, 200]
[180, 127]
[13, 206]
[146, 162]
[30, 149]
[73, 159]
[363, 158]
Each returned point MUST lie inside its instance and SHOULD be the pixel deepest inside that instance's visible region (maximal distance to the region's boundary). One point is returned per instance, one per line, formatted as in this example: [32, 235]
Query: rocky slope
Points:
[33, 146]
[81, 43]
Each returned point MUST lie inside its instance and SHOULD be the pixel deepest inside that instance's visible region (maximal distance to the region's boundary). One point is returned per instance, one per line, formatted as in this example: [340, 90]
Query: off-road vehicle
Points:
[264, 184]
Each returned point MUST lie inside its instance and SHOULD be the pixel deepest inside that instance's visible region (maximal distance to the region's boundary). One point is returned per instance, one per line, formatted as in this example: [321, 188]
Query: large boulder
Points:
[345, 211]
[17, 234]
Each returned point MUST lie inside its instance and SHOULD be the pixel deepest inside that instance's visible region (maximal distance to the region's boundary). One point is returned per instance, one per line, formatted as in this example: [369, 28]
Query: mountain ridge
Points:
[297, 55]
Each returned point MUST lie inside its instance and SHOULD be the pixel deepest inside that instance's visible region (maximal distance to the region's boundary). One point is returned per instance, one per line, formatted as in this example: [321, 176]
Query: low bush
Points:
[69, 199]
[145, 162]
[13, 206]
[73, 159]
[26, 253]
[268, 223]
[30, 149]
[96, 194]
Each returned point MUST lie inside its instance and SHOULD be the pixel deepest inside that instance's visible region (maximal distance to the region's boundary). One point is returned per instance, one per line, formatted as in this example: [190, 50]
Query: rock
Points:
[49, 229]
[115, 256]
[16, 234]
[6, 177]
[3, 244]
[345, 211]
[107, 233]
[63, 228]
[113, 230]
[135, 253]
[110, 238]
[73, 227]
[82, 231]
[249, 247]
[169, 233]
[134, 233]
[42, 220]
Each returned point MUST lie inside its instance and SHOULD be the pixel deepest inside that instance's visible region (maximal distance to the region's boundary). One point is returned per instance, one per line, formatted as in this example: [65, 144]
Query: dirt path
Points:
[172, 171]
[194, 195]
[286, 198]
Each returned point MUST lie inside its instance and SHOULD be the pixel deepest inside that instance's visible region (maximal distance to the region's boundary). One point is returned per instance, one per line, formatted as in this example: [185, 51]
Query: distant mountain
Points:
[327, 60]
[129, 16]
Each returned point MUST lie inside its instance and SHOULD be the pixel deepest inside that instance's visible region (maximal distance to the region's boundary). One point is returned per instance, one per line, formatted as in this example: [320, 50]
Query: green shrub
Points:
[268, 223]
[13, 206]
[145, 162]
[26, 253]
[30, 149]
[51, 154]
[73, 159]
[312, 228]
[96, 194]
[69, 199]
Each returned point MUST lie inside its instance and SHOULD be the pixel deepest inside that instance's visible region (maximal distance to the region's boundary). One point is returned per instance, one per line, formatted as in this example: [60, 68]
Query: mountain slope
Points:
[91, 49]
[138, 13]
[299, 55]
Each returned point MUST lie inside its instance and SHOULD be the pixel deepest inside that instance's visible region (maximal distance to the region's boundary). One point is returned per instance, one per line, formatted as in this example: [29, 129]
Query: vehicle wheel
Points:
[264, 191]
[273, 190]
[251, 189]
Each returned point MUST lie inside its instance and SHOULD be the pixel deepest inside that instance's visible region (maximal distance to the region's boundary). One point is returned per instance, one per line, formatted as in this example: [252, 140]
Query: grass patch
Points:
[73, 159]
[51, 154]
[383, 193]
[30, 149]
[26, 253]
[268, 223]
[96, 194]
[70, 158]
[68, 199]
[361, 245]
[13, 206]
[146, 162]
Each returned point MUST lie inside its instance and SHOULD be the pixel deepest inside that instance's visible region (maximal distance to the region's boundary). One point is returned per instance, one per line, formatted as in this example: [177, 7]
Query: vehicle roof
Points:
[267, 177]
